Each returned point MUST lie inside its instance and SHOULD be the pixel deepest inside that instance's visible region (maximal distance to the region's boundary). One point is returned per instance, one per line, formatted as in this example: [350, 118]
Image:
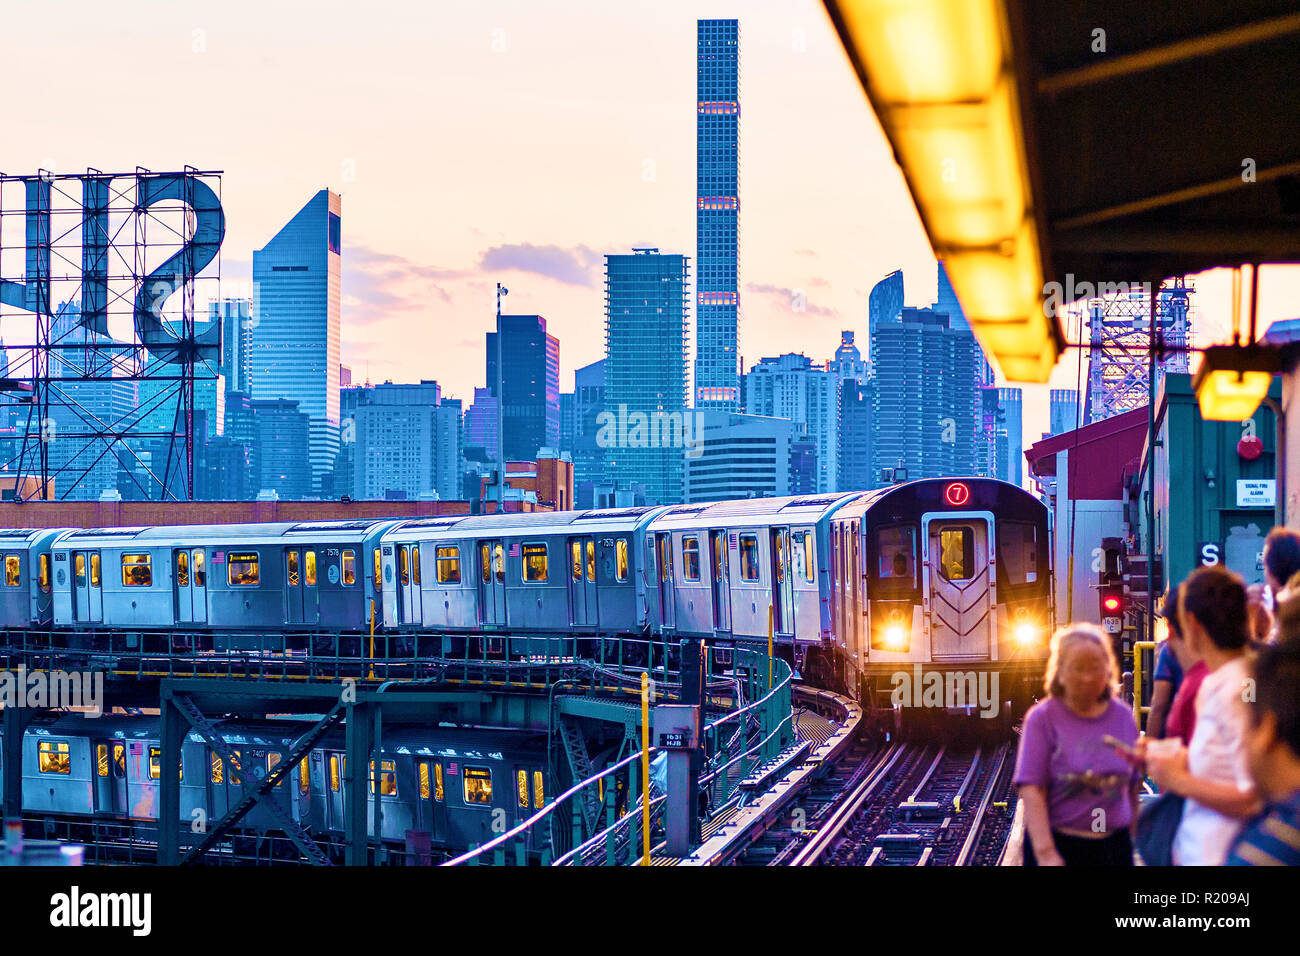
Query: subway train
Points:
[459, 786]
[855, 588]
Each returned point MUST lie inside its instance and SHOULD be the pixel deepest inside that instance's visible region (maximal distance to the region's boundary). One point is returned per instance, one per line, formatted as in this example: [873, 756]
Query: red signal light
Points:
[956, 494]
[1111, 604]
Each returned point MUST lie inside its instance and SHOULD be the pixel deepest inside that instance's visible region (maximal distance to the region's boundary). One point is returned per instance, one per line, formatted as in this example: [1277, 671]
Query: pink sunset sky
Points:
[476, 142]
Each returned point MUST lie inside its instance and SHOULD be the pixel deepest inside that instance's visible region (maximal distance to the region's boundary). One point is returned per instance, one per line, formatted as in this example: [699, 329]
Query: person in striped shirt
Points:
[1272, 744]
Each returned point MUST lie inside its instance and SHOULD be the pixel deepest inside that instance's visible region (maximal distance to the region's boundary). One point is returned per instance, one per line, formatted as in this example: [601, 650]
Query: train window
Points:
[379, 572]
[810, 557]
[478, 785]
[896, 547]
[155, 765]
[13, 570]
[591, 560]
[448, 561]
[499, 561]
[403, 566]
[334, 772]
[957, 553]
[304, 776]
[295, 575]
[424, 780]
[101, 760]
[242, 569]
[136, 570]
[438, 792]
[415, 564]
[534, 562]
[1017, 553]
[45, 573]
[234, 767]
[94, 569]
[309, 567]
[486, 560]
[218, 768]
[273, 761]
[119, 760]
[200, 569]
[779, 547]
[79, 568]
[182, 569]
[691, 558]
[521, 785]
[719, 555]
[349, 567]
[53, 757]
[575, 550]
[539, 795]
[620, 562]
[749, 557]
[387, 778]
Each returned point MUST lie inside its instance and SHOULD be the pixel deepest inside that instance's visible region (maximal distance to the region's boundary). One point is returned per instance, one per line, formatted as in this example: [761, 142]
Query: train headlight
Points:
[895, 638]
[1026, 634]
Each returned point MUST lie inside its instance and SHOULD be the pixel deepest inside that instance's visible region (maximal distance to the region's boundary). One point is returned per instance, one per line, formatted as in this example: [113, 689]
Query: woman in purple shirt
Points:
[1079, 791]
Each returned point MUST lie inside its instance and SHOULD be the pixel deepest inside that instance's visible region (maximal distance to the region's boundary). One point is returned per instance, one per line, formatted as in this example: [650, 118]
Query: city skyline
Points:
[827, 211]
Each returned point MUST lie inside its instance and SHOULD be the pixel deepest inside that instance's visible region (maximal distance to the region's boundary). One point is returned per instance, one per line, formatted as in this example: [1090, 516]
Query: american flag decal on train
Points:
[732, 541]
[514, 550]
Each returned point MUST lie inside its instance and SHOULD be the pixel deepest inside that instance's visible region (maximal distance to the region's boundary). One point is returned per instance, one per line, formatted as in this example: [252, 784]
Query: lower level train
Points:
[854, 588]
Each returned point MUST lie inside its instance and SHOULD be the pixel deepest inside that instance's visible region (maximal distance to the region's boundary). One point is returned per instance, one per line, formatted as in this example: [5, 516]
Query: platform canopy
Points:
[1091, 141]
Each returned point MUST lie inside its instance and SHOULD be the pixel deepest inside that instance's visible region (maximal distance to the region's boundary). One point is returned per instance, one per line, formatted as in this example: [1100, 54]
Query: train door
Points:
[110, 778]
[582, 582]
[721, 580]
[782, 584]
[189, 580]
[293, 586]
[310, 589]
[408, 581]
[492, 582]
[857, 586]
[87, 587]
[960, 595]
[664, 561]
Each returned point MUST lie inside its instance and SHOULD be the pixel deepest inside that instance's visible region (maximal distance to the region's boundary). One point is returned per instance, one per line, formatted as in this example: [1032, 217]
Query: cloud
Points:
[787, 297]
[378, 285]
[576, 266]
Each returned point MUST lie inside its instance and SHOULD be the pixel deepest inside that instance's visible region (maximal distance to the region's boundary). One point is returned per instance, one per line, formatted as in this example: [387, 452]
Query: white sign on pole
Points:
[1256, 493]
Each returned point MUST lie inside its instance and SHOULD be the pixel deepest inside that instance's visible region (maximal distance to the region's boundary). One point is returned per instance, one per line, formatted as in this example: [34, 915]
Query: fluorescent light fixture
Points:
[1233, 380]
[939, 75]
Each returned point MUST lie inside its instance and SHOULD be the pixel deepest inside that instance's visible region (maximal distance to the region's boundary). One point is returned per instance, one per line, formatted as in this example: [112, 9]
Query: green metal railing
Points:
[735, 744]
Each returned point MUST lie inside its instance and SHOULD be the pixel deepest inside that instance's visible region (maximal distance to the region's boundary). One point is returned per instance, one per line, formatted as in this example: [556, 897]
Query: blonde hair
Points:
[1066, 639]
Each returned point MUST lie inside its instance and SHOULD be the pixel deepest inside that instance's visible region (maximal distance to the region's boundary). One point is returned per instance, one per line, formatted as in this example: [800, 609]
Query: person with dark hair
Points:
[1273, 758]
[1168, 676]
[1079, 791]
[1211, 772]
[1281, 558]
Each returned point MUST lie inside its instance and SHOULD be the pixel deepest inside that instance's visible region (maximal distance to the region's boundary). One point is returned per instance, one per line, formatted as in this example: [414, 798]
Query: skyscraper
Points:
[646, 295]
[717, 213]
[530, 411]
[236, 339]
[1064, 410]
[742, 456]
[295, 341]
[584, 404]
[789, 386]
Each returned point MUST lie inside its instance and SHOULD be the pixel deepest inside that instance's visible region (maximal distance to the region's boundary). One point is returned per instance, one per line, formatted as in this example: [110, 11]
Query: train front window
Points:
[534, 562]
[691, 558]
[478, 786]
[896, 558]
[1017, 553]
[449, 566]
[136, 570]
[242, 570]
[749, 557]
[349, 567]
[957, 553]
[13, 574]
[53, 757]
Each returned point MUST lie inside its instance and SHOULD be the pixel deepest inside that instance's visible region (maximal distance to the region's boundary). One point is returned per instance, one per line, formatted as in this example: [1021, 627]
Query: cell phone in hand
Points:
[1123, 749]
